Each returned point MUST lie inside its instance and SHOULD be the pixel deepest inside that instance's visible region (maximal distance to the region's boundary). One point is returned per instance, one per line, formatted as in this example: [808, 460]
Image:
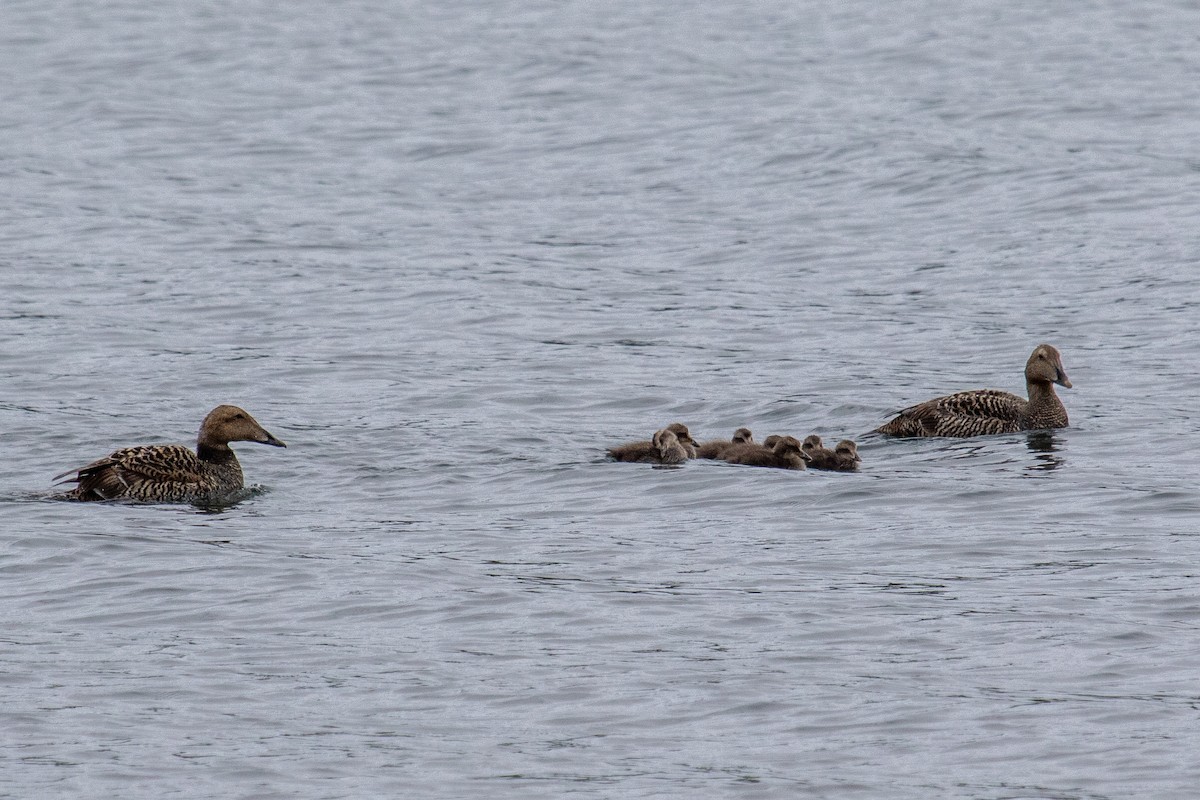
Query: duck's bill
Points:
[271, 440]
[1063, 380]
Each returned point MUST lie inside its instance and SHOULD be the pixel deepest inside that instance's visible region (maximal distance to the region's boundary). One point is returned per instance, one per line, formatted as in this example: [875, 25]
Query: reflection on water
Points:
[1044, 445]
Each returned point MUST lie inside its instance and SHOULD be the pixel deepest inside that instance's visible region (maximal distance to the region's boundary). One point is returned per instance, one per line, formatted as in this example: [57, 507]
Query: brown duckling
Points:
[685, 438]
[171, 473]
[818, 453]
[753, 447]
[786, 453]
[670, 449]
[718, 447]
[648, 451]
[986, 411]
[843, 458]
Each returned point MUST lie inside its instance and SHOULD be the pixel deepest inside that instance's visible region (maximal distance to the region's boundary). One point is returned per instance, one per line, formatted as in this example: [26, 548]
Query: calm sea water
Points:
[449, 252]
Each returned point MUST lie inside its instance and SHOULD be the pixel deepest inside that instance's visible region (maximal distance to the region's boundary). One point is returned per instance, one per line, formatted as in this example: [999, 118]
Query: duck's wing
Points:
[116, 474]
[972, 413]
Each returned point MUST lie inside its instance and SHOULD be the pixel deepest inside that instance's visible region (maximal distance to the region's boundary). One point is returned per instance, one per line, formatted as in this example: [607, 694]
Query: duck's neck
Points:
[1044, 406]
[223, 469]
[1040, 391]
[217, 453]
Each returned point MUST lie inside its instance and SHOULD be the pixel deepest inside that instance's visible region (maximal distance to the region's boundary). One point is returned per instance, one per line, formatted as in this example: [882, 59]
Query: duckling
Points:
[787, 453]
[986, 411]
[717, 448]
[847, 455]
[670, 449]
[752, 447]
[818, 454]
[685, 438]
[843, 458]
[171, 473]
[648, 451]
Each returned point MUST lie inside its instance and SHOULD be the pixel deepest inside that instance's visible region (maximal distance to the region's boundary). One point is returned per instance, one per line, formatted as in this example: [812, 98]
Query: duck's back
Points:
[634, 451]
[156, 473]
[717, 449]
[821, 458]
[759, 456]
[754, 457]
[973, 413]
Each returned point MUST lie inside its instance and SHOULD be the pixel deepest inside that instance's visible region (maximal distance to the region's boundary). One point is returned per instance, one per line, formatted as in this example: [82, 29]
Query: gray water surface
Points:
[451, 252]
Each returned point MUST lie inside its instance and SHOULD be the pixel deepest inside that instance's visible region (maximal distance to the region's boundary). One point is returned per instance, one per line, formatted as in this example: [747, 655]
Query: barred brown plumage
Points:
[171, 473]
[987, 411]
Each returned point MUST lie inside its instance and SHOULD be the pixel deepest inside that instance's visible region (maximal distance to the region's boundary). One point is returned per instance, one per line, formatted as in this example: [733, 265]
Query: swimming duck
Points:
[845, 457]
[670, 449]
[171, 473]
[786, 453]
[817, 452]
[986, 411]
[718, 447]
[648, 450]
[753, 447]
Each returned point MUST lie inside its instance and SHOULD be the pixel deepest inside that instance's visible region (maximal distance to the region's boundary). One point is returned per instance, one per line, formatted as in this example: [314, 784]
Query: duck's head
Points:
[771, 441]
[1046, 365]
[743, 436]
[812, 442]
[225, 424]
[664, 438]
[681, 433]
[790, 444]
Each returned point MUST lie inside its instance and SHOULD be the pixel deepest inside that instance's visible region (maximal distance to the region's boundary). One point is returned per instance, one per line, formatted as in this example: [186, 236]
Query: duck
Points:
[717, 448]
[172, 473]
[648, 450]
[848, 458]
[817, 452]
[752, 447]
[988, 411]
[787, 453]
[843, 458]
[670, 449]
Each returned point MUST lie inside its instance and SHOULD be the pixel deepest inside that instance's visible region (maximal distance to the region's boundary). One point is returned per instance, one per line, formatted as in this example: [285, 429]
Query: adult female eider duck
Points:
[786, 454]
[717, 448]
[986, 411]
[171, 473]
[649, 451]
